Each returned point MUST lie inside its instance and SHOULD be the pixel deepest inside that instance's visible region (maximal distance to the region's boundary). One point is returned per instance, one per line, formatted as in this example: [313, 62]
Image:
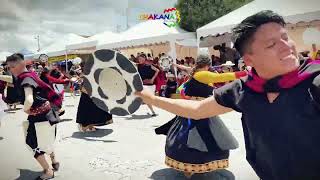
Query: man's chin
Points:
[291, 68]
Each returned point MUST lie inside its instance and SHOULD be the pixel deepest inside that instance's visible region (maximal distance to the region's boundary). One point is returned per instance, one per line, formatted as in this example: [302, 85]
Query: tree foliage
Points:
[197, 13]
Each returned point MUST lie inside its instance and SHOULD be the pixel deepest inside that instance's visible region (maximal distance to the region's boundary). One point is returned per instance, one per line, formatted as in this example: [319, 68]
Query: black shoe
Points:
[55, 166]
[62, 112]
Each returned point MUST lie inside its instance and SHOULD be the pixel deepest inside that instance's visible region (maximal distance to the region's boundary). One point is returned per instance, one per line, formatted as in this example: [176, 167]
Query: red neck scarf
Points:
[51, 95]
[277, 84]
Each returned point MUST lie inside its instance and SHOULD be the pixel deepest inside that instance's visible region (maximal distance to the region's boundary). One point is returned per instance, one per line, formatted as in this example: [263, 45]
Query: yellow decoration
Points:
[208, 77]
[61, 58]
[197, 168]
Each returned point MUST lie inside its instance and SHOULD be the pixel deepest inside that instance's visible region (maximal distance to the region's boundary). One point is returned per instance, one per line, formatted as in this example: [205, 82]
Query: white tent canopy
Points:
[188, 43]
[294, 11]
[148, 32]
[58, 47]
[145, 33]
[3, 55]
[106, 37]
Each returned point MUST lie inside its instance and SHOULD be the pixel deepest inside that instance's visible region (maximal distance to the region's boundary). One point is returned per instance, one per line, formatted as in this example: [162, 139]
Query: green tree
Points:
[197, 13]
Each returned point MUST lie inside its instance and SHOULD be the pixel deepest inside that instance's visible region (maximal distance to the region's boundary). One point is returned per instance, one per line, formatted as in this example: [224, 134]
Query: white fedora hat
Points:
[228, 63]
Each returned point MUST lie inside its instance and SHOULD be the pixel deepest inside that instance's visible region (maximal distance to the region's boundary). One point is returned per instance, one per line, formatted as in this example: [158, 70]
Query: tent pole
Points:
[66, 60]
[173, 54]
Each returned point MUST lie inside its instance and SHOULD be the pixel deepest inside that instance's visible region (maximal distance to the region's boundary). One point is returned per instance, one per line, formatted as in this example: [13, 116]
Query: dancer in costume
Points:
[2, 108]
[89, 115]
[10, 93]
[279, 101]
[75, 83]
[40, 129]
[57, 74]
[199, 146]
[2, 88]
[50, 80]
[47, 78]
[148, 74]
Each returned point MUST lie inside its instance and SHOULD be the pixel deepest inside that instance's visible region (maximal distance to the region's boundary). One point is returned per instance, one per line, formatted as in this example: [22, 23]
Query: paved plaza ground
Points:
[126, 149]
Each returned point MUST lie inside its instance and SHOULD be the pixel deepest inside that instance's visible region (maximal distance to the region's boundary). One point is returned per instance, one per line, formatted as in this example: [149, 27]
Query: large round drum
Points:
[111, 80]
[165, 62]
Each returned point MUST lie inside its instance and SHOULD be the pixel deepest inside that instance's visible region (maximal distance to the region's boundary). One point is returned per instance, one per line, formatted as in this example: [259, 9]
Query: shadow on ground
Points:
[66, 120]
[1, 138]
[26, 174]
[10, 112]
[171, 174]
[139, 117]
[97, 134]
[69, 105]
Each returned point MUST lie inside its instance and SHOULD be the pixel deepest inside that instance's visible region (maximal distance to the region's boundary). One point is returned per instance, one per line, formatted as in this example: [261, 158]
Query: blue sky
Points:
[22, 20]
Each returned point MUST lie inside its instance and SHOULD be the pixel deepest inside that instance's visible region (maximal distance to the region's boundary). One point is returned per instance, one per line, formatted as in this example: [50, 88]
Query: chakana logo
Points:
[171, 17]
[172, 22]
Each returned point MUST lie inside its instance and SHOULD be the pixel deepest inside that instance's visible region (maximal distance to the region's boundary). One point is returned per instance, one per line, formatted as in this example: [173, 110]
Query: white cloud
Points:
[22, 20]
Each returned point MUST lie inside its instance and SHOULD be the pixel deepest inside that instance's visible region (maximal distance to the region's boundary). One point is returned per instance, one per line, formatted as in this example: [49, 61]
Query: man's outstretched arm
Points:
[185, 108]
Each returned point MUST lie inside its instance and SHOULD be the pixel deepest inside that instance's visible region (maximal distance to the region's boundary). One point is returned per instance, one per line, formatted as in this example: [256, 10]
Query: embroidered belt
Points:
[44, 108]
[197, 168]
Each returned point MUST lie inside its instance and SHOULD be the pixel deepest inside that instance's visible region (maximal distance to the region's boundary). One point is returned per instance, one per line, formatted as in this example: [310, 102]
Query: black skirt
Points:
[197, 146]
[89, 114]
[199, 142]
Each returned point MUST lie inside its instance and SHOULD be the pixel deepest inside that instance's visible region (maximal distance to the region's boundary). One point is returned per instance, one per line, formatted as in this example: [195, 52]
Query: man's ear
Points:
[247, 59]
[23, 63]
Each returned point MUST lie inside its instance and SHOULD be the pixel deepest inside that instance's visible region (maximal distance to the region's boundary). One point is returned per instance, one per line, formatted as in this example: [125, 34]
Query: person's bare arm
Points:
[155, 74]
[185, 108]
[28, 99]
[182, 67]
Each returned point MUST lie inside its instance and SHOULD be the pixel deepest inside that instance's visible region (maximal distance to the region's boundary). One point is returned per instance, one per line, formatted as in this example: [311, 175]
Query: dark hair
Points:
[72, 73]
[202, 61]
[217, 47]
[305, 53]
[243, 33]
[46, 69]
[20, 55]
[15, 57]
[142, 55]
